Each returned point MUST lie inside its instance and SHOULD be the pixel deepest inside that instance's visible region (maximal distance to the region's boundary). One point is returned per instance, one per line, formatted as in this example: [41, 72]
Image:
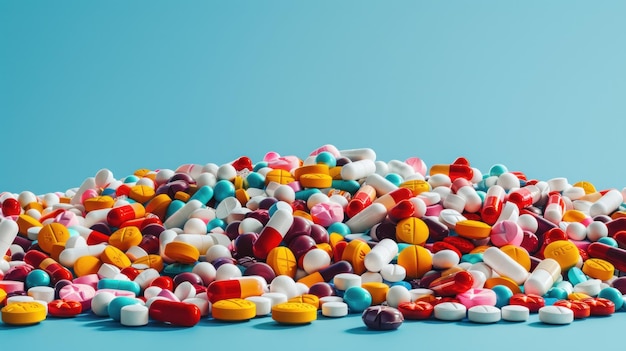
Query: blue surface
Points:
[263, 333]
[84, 85]
[538, 86]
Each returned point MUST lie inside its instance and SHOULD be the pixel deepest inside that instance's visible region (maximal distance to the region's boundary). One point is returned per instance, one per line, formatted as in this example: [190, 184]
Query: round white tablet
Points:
[343, 281]
[515, 313]
[134, 315]
[335, 309]
[263, 304]
[556, 315]
[484, 314]
[450, 311]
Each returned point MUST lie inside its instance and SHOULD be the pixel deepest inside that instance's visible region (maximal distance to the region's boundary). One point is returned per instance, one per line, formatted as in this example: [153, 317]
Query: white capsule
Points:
[358, 169]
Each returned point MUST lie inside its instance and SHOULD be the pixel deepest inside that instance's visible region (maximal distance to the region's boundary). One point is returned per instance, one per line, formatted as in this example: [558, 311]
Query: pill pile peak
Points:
[335, 232]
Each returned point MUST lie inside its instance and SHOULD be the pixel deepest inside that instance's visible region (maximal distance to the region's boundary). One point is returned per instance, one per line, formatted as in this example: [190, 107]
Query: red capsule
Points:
[361, 199]
[403, 209]
[40, 260]
[453, 284]
[492, 207]
[121, 214]
[175, 313]
[615, 255]
[525, 196]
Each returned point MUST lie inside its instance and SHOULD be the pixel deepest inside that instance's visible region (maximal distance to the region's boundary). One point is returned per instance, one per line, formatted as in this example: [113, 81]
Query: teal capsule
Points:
[174, 206]
[608, 241]
[576, 276]
[259, 165]
[497, 170]
[503, 295]
[223, 189]
[472, 258]
[115, 306]
[215, 223]
[339, 228]
[255, 180]
[394, 178]
[203, 194]
[131, 179]
[37, 277]
[306, 193]
[326, 158]
[116, 284]
[351, 186]
[174, 269]
[557, 293]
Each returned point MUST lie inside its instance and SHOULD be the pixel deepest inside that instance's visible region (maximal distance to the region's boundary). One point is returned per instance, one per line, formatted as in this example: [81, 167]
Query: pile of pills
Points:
[334, 233]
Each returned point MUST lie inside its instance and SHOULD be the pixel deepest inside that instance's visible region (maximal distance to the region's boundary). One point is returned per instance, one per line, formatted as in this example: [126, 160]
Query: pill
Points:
[23, 313]
[484, 314]
[294, 313]
[556, 315]
[515, 313]
[450, 311]
[233, 310]
[334, 309]
[382, 318]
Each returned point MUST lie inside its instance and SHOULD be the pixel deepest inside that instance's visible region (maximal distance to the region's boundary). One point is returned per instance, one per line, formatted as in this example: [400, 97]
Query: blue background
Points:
[536, 85]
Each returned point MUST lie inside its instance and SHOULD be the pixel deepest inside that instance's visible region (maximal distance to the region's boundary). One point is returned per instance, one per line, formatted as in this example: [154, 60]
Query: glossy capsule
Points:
[326, 274]
[273, 233]
[175, 313]
[240, 288]
[492, 207]
[361, 199]
[53, 268]
[525, 196]
[614, 255]
[121, 214]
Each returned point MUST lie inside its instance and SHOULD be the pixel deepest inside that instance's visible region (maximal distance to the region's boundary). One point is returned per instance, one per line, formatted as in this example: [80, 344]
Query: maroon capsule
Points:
[261, 269]
[321, 289]
[232, 230]
[301, 245]
[150, 244]
[382, 317]
[243, 245]
[190, 277]
[384, 230]
[300, 226]
[436, 230]
[530, 242]
[319, 234]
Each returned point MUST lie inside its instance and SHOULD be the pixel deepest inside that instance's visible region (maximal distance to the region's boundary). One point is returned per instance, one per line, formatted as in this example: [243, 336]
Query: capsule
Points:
[8, 232]
[452, 284]
[240, 287]
[273, 233]
[363, 198]
[493, 204]
[390, 199]
[614, 255]
[326, 274]
[554, 208]
[53, 268]
[525, 196]
[175, 313]
[454, 171]
[121, 214]
[543, 277]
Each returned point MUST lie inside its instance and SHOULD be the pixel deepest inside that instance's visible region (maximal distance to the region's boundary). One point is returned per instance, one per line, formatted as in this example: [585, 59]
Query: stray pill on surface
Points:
[556, 315]
[515, 313]
[484, 314]
[450, 311]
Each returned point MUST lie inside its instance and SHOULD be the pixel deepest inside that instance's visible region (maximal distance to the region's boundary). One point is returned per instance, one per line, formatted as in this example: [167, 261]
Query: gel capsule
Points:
[240, 287]
[53, 268]
[492, 206]
[273, 233]
[175, 313]
[121, 214]
[614, 255]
